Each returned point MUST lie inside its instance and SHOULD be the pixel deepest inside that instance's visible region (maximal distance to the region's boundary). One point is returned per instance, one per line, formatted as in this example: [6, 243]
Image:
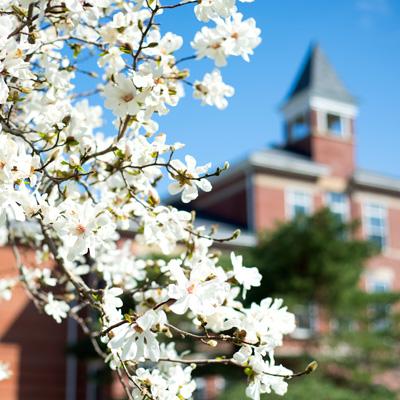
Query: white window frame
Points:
[311, 312]
[345, 125]
[291, 200]
[342, 209]
[372, 282]
[376, 210]
[340, 134]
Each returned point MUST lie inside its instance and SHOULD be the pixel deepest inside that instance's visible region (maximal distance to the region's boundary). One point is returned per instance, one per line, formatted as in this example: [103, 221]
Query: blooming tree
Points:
[67, 190]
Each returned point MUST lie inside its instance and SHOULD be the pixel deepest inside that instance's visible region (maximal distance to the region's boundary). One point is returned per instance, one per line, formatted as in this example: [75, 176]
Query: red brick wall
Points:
[33, 344]
[269, 204]
[382, 261]
[394, 228]
[356, 214]
[337, 153]
[319, 201]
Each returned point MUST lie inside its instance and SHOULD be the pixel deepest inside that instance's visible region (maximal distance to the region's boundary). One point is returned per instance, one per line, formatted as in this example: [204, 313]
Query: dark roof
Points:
[319, 78]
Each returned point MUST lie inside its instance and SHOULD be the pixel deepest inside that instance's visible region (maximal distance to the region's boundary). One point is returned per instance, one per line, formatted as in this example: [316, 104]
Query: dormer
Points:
[319, 115]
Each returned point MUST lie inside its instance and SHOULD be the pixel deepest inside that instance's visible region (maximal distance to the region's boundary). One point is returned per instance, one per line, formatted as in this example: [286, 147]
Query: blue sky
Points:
[361, 39]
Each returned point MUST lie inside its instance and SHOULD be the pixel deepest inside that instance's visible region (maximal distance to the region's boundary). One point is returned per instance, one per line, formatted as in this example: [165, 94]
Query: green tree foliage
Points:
[319, 260]
[311, 259]
[315, 387]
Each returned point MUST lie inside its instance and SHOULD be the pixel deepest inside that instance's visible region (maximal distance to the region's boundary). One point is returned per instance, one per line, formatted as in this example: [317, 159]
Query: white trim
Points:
[383, 275]
[290, 201]
[342, 208]
[374, 209]
[305, 101]
[310, 312]
[345, 109]
[288, 163]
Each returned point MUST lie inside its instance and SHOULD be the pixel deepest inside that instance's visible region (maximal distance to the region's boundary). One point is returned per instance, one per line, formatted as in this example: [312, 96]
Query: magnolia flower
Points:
[262, 379]
[229, 37]
[188, 179]
[212, 9]
[247, 277]
[208, 42]
[6, 286]
[199, 293]
[136, 341]
[170, 43]
[5, 372]
[83, 227]
[164, 227]
[122, 97]
[212, 90]
[113, 59]
[15, 162]
[242, 37]
[266, 323]
[166, 384]
[119, 267]
[56, 308]
[111, 298]
[3, 89]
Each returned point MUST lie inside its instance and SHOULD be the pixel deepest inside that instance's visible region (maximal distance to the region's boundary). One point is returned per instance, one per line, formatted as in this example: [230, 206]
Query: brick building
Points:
[314, 167]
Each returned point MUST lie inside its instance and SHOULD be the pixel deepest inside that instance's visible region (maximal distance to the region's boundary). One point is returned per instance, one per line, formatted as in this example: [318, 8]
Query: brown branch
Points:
[179, 4]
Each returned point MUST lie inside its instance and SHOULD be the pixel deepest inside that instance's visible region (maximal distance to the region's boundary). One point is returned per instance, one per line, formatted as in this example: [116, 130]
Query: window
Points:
[334, 124]
[379, 287]
[299, 128]
[380, 312]
[305, 321]
[339, 205]
[375, 224]
[298, 203]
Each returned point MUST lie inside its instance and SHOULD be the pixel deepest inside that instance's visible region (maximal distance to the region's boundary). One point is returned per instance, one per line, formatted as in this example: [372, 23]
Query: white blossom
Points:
[247, 277]
[231, 36]
[57, 309]
[188, 178]
[6, 287]
[136, 341]
[82, 227]
[263, 379]
[5, 372]
[198, 293]
[73, 181]
[122, 96]
[212, 90]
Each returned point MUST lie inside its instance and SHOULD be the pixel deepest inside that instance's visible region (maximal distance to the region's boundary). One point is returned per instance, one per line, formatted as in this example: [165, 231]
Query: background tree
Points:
[318, 259]
[312, 259]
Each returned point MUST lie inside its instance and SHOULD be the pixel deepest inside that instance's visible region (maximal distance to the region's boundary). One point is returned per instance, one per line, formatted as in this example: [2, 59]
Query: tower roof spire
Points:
[318, 78]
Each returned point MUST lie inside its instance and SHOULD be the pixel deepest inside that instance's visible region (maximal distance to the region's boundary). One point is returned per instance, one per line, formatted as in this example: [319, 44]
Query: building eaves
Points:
[272, 160]
[245, 239]
[287, 162]
[377, 181]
